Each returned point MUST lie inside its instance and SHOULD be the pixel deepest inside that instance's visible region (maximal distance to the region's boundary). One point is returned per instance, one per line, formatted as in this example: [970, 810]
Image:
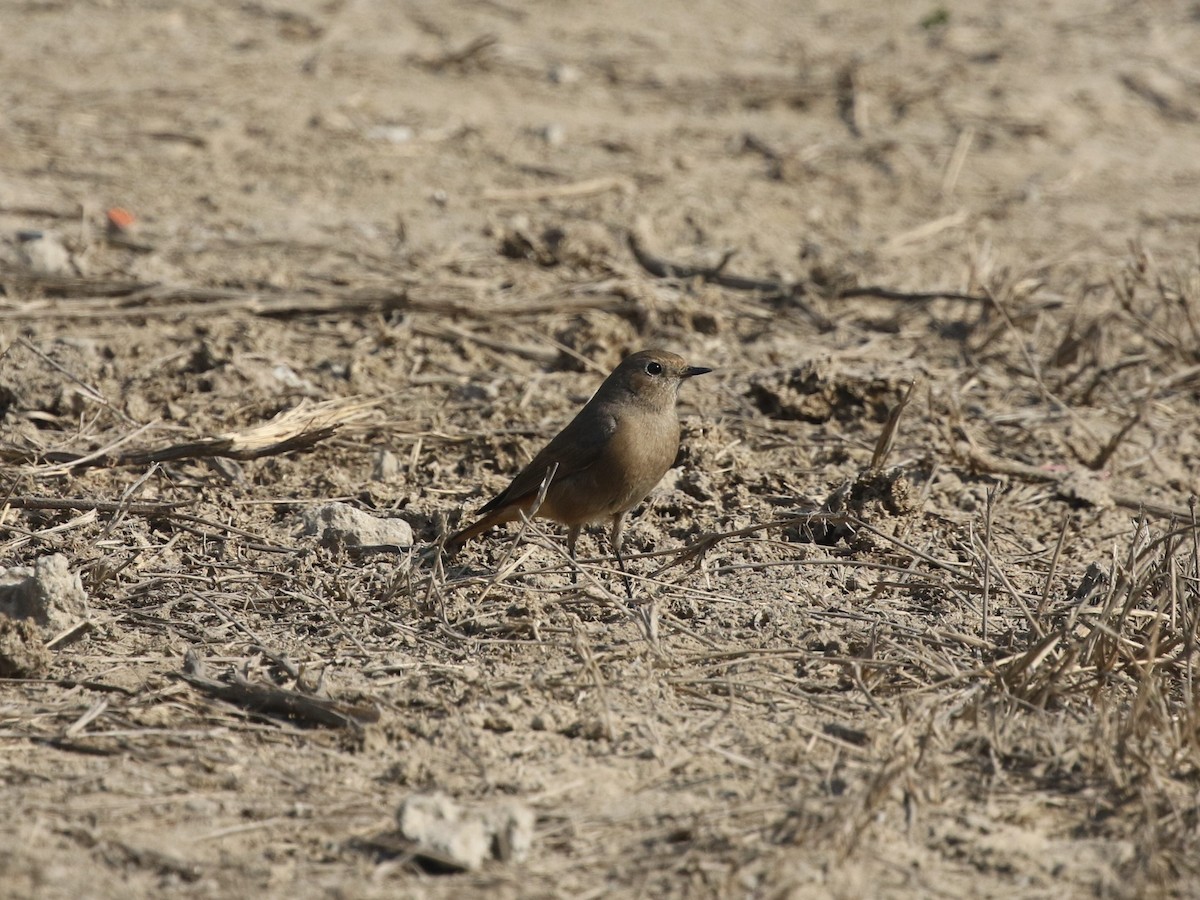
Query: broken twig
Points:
[271, 700]
[775, 287]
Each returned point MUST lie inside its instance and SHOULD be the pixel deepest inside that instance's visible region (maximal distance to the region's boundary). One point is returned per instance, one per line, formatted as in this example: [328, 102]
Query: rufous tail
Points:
[456, 540]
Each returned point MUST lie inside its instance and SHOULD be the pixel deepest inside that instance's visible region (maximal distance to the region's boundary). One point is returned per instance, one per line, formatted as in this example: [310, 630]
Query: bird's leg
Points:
[572, 538]
[617, 524]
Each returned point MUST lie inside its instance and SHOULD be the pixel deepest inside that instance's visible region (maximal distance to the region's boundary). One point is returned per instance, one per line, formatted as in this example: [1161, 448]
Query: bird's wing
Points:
[576, 448]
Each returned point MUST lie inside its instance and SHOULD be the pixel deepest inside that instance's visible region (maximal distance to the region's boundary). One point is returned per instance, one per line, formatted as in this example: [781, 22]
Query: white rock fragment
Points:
[44, 253]
[511, 827]
[457, 837]
[386, 467]
[563, 73]
[442, 832]
[47, 593]
[287, 376]
[552, 133]
[392, 134]
[339, 524]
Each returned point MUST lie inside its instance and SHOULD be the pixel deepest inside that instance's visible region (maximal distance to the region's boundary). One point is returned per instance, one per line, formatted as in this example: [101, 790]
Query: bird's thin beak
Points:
[695, 370]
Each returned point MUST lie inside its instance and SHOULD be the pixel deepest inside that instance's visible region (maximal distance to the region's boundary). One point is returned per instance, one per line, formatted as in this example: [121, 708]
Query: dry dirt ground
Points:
[959, 667]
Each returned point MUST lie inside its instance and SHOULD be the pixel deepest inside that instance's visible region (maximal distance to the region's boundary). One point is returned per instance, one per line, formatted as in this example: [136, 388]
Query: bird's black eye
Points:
[653, 368]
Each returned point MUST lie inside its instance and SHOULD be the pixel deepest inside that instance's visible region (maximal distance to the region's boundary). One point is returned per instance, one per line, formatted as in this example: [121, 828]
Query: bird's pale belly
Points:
[630, 466]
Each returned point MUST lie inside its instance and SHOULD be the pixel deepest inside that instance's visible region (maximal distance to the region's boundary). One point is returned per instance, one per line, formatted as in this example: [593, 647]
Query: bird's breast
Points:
[633, 460]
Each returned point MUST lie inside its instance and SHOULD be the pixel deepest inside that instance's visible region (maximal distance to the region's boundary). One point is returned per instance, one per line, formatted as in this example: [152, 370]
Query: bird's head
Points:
[651, 377]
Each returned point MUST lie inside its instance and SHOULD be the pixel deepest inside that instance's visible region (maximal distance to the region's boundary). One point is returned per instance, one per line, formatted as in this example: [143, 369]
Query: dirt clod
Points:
[812, 393]
[23, 653]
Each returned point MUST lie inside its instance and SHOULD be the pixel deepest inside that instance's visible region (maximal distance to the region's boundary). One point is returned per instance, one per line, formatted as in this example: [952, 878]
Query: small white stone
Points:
[439, 828]
[46, 255]
[553, 134]
[453, 835]
[339, 524]
[392, 134]
[387, 466]
[47, 592]
[563, 73]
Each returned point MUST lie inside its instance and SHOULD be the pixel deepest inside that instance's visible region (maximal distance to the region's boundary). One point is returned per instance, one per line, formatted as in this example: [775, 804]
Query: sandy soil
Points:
[973, 676]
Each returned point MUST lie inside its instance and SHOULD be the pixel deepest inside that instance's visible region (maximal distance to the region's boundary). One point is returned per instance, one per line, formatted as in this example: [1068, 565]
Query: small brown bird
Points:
[609, 457]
